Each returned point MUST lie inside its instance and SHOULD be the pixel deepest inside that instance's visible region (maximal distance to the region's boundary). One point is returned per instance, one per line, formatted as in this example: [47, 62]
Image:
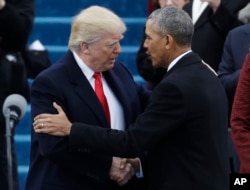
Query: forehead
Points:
[149, 29]
[111, 36]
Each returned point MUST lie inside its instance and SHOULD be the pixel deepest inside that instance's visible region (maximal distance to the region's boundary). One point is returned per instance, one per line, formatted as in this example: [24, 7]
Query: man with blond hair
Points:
[73, 82]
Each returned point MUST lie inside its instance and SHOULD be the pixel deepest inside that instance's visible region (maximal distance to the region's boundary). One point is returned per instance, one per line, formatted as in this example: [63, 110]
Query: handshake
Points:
[123, 169]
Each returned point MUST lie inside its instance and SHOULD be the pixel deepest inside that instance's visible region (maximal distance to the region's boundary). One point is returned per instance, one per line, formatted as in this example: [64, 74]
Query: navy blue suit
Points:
[236, 47]
[52, 166]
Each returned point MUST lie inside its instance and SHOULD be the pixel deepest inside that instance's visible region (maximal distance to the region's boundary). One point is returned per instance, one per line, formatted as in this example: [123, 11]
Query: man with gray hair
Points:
[183, 130]
[92, 87]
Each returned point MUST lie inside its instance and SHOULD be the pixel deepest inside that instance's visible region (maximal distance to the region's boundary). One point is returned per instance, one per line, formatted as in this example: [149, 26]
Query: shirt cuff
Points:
[139, 174]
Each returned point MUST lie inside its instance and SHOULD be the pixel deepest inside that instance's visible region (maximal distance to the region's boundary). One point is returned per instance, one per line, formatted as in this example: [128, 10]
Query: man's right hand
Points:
[53, 124]
[121, 174]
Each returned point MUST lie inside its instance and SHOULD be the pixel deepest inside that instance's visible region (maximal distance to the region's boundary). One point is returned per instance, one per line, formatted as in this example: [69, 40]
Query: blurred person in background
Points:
[236, 48]
[241, 116]
[144, 65]
[16, 21]
[212, 20]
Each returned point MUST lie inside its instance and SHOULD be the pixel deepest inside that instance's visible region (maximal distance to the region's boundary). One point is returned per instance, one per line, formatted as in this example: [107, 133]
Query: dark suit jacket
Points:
[236, 47]
[52, 166]
[211, 29]
[183, 132]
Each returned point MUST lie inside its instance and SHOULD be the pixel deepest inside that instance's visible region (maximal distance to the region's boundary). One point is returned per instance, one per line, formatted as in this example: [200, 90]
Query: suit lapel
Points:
[204, 17]
[117, 87]
[84, 90]
[190, 58]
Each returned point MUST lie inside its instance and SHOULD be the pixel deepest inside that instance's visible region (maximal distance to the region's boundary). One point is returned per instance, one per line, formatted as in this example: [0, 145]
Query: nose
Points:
[118, 48]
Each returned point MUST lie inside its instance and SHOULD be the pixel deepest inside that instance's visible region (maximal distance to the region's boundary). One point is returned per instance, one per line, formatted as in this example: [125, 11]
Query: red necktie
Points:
[100, 94]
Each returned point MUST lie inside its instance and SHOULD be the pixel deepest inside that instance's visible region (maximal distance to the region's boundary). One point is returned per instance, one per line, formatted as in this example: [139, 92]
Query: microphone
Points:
[14, 108]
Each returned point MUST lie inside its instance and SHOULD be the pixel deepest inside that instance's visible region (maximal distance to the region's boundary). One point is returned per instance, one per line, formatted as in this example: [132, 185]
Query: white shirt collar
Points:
[84, 68]
[177, 59]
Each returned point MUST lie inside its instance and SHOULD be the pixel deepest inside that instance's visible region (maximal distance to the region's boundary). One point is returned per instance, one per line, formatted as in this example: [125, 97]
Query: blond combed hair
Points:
[92, 23]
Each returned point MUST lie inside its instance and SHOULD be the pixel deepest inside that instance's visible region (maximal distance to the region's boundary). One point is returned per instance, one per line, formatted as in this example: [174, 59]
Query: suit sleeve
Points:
[227, 73]
[141, 137]
[56, 149]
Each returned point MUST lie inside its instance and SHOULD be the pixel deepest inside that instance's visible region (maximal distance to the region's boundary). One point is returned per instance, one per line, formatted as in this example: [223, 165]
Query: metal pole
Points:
[8, 148]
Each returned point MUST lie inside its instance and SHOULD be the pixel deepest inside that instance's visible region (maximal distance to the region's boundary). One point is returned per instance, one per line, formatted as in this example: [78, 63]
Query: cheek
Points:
[157, 53]
[155, 48]
[102, 54]
[151, 46]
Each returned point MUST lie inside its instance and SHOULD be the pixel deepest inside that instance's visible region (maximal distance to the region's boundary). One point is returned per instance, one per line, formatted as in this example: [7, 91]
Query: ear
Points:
[84, 47]
[169, 41]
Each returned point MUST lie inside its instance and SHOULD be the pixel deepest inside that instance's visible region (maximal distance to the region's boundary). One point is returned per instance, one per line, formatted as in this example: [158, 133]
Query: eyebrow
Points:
[111, 44]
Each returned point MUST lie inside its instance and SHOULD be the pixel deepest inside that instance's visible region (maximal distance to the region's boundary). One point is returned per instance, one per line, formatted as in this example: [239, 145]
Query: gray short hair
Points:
[175, 22]
[92, 23]
[244, 14]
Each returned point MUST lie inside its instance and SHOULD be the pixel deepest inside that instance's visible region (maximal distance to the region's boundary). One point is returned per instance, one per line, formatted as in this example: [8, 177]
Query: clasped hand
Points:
[122, 170]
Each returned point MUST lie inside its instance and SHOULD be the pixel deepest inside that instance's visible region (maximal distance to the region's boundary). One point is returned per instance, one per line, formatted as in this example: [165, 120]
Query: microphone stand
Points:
[9, 126]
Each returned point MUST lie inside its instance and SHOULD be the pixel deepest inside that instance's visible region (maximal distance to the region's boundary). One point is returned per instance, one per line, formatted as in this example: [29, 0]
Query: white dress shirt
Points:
[197, 9]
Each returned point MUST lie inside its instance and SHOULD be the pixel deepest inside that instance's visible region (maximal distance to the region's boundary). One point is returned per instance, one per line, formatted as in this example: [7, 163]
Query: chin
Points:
[111, 65]
[155, 65]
